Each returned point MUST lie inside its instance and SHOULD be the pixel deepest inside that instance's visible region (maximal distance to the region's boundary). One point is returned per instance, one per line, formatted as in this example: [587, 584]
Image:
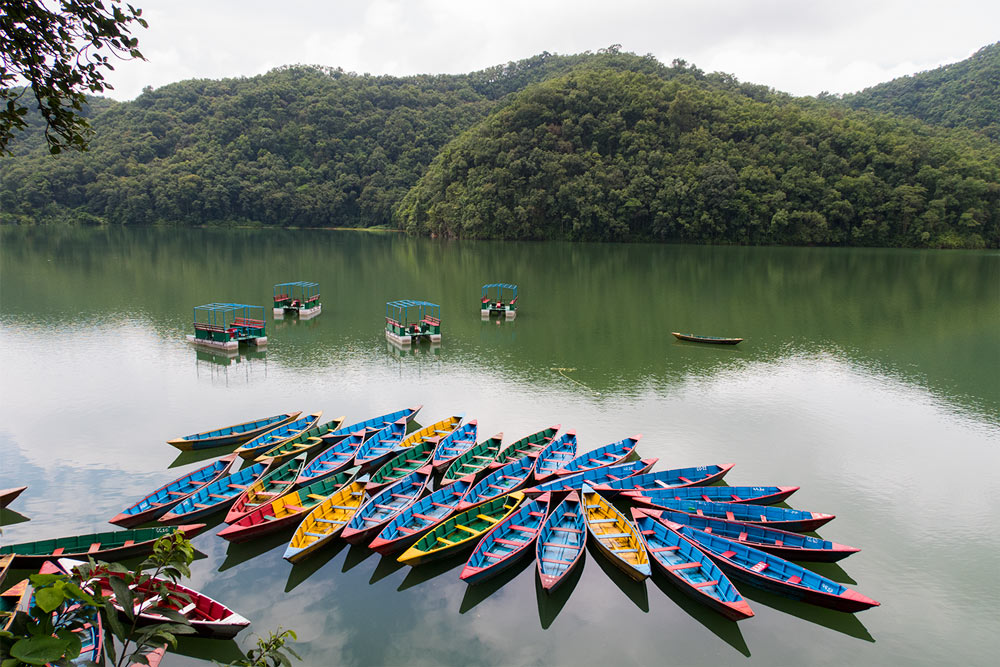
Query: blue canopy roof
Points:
[300, 283]
[507, 285]
[407, 303]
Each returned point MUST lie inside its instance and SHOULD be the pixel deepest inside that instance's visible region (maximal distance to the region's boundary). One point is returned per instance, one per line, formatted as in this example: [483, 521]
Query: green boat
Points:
[402, 464]
[462, 530]
[529, 445]
[473, 461]
[109, 546]
[276, 482]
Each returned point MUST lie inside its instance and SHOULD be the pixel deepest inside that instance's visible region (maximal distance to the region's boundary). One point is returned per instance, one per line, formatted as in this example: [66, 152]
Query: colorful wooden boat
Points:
[775, 574]
[375, 424]
[5, 565]
[789, 545]
[556, 454]
[232, 435]
[461, 530]
[333, 460]
[326, 520]
[275, 483]
[690, 569]
[153, 658]
[160, 501]
[377, 449]
[401, 465]
[615, 536]
[421, 516]
[285, 511]
[215, 497]
[473, 461]
[277, 436]
[668, 479]
[306, 442]
[507, 541]
[529, 445]
[561, 542]
[454, 445]
[561, 484]
[717, 340]
[13, 601]
[499, 482]
[7, 496]
[109, 546]
[384, 506]
[758, 495]
[608, 455]
[435, 431]
[797, 521]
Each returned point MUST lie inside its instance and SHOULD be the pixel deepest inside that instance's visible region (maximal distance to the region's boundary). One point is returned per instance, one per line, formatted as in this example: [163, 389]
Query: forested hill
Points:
[963, 94]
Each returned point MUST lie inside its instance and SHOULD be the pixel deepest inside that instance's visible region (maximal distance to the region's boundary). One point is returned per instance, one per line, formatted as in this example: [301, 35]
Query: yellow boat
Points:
[438, 430]
[616, 537]
[462, 530]
[326, 520]
[307, 441]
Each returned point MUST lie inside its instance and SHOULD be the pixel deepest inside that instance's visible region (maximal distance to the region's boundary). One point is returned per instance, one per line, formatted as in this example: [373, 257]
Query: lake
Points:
[869, 377]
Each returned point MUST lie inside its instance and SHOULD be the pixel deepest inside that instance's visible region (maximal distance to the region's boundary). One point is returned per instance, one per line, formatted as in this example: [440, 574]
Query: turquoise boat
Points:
[507, 541]
[215, 497]
[555, 456]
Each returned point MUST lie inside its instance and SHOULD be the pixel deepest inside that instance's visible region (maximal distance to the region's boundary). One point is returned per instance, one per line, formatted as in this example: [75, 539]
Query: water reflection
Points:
[9, 517]
[421, 349]
[304, 569]
[217, 650]
[223, 367]
[848, 624]
[356, 555]
[424, 573]
[550, 604]
[241, 552]
[476, 593]
[386, 565]
[633, 590]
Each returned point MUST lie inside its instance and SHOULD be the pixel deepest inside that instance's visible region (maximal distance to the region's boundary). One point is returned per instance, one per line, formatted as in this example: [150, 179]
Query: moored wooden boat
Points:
[561, 542]
[454, 445]
[401, 465]
[108, 546]
[529, 445]
[7, 496]
[608, 455]
[717, 340]
[13, 601]
[5, 562]
[214, 497]
[556, 454]
[277, 436]
[384, 506]
[798, 521]
[461, 530]
[668, 479]
[690, 569]
[473, 461]
[377, 449]
[333, 460]
[775, 574]
[306, 442]
[326, 520]
[276, 482]
[436, 431]
[758, 495]
[375, 424]
[232, 435]
[501, 481]
[615, 536]
[501, 547]
[421, 516]
[560, 484]
[160, 501]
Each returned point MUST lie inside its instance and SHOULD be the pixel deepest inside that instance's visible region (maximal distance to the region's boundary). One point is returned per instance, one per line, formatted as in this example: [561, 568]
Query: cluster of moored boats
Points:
[421, 494]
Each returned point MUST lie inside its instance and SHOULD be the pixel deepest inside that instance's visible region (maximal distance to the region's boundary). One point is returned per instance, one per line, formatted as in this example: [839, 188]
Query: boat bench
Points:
[509, 543]
[705, 584]
[683, 566]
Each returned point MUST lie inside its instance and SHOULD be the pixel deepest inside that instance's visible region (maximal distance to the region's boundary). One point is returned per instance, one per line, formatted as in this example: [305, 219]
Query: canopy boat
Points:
[300, 297]
[556, 454]
[706, 339]
[561, 542]
[473, 461]
[109, 546]
[232, 435]
[759, 495]
[224, 326]
[615, 536]
[274, 484]
[410, 321]
[462, 530]
[386, 505]
[421, 516]
[333, 459]
[513, 537]
[160, 501]
[608, 455]
[499, 482]
[285, 511]
[529, 445]
[374, 425]
[798, 521]
[277, 436]
[499, 299]
[326, 520]
[775, 574]
[667, 479]
[306, 442]
[792, 546]
[377, 449]
[214, 497]
[690, 569]
[402, 464]
[454, 445]
[7, 496]
[564, 483]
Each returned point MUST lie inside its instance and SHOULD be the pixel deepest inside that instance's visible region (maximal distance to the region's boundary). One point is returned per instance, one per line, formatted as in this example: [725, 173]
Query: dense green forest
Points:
[596, 146]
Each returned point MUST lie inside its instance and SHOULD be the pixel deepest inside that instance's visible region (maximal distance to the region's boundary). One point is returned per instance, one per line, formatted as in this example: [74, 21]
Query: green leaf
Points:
[39, 650]
[123, 595]
[49, 599]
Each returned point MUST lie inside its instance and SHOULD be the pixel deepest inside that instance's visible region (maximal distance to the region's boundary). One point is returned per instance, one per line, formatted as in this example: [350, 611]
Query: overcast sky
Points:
[798, 46]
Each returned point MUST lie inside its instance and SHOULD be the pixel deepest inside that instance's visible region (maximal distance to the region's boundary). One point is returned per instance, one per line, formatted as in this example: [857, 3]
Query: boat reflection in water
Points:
[222, 366]
[414, 350]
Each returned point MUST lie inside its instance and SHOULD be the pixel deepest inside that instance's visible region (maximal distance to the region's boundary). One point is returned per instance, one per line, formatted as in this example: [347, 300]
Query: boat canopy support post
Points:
[223, 326]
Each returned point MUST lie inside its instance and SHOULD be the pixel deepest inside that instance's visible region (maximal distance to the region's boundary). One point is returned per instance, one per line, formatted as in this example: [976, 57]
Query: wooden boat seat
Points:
[555, 560]
[333, 521]
[58, 551]
[128, 543]
[794, 580]
[269, 517]
[441, 539]
[295, 508]
[94, 547]
[281, 481]
[342, 507]
[486, 518]
[648, 532]
[683, 566]
[779, 543]
[742, 537]
[684, 479]
[471, 531]
[483, 458]
[526, 529]
[603, 520]
[566, 530]
[490, 554]
[657, 550]
[609, 536]
[368, 519]
[178, 493]
[316, 496]
[706, 584]
[509, 543]
[201, 506]
[494, 486]
[624, 551]
[728, 554]
[759, 567]
[424, 517]
[660, 482]
[218, 497]
[399, 495]
[536, 513]
[449, 507]
[241, 487]
[315, 534]
[390, 508]
[405, 530]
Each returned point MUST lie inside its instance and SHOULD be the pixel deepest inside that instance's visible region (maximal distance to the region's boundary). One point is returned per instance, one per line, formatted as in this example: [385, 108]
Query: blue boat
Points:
[454, 445]
[798, 521]
[218, 495]
[556, 454]
[608, 455]
[384, 506]
[416, 519]
[375, 424]
[381, 446]
[669, 479]
[332, 460]
[231, 435]
[690, 568]
[507, 541]
[561, 542]
[276, 436]
[501, 481]
[759, 495]
[563, 483]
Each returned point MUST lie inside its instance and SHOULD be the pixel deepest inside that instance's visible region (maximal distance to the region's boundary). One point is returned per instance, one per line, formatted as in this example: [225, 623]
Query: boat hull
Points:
[116, 553]
[186, 445]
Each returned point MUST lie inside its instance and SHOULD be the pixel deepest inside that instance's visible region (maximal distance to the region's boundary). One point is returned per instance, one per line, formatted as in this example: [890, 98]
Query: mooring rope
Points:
[563, 371]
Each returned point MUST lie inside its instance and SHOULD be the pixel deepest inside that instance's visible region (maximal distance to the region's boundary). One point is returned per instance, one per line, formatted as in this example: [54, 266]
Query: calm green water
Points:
[868, 377]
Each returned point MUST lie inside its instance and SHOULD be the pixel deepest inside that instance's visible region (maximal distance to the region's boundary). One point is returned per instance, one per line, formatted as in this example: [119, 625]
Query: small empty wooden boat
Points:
[758, 495]
[306, 442]
[232, 435]
[214, 497]
[277, 436]
[798, 521]
[499, 482]
[326, 520]
[461, 530]
[276, 482]
[561, 484]
[615, 536]
[13, 601]
[5, 562]
[454, 445]
[374, 425]
[561, 542]
[421, 516]
[608, 455]
[109, 546]
[333, 460]
[775, 574]
[529, 445]
[473, 461]
[377, 449]
[159, 502]
[508, 540]
[7, 496]
[384, 506]
[668, 479]
[717, 340]
[435, 431]
[556, 454]
[690, 569]
[401, 465]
